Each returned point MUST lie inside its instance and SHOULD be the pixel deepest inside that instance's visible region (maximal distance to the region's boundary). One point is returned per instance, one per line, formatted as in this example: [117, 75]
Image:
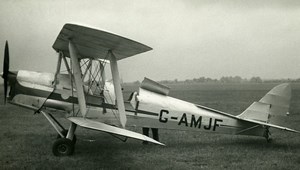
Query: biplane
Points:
[80, 89]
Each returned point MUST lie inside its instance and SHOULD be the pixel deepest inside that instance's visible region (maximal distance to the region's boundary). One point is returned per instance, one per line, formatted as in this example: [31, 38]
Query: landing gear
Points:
[63, 147]
[267, 135]
[65, 140]
[65, 132]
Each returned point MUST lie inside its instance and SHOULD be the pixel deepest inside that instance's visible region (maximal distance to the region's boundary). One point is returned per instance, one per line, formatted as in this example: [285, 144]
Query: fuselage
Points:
[145, 108]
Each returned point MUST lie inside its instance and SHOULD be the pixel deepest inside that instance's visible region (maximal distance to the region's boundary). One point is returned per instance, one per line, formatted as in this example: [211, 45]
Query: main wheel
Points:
[63, 147]
[65, 132]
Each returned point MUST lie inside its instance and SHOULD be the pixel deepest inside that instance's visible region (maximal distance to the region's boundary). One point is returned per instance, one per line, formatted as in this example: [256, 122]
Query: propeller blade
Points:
[5, 69]
[5, 90]
[6, 60]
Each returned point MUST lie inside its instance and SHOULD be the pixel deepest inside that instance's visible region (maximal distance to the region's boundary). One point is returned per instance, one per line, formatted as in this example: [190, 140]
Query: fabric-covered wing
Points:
[86, 123]
[92, 43]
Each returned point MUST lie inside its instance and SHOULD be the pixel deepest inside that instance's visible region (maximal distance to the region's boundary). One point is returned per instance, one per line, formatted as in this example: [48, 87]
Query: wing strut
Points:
[103, 76]
[77, 76]
[117, 85]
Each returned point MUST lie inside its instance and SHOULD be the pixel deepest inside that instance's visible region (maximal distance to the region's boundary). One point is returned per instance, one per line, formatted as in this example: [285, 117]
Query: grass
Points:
[26, 139]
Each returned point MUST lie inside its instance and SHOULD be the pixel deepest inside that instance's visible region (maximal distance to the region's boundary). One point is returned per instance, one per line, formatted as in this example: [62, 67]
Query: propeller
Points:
[5, 70]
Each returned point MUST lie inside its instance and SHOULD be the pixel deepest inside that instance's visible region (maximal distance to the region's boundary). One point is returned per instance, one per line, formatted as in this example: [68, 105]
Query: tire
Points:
[65, 132]
[63, 147]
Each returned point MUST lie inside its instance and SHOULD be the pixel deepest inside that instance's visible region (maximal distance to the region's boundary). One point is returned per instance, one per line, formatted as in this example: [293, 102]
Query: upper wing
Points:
[92, 43]
[110, 129]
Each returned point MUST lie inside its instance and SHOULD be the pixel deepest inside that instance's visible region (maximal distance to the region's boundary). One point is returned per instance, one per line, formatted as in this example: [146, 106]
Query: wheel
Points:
[65, 132]
[63, 147]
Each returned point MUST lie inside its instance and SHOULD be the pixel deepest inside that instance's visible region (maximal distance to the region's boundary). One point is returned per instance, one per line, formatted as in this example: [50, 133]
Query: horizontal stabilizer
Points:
[90, 124]
[271, 125]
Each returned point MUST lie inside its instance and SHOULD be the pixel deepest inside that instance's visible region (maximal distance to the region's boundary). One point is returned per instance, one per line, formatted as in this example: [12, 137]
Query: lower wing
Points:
[91, 124]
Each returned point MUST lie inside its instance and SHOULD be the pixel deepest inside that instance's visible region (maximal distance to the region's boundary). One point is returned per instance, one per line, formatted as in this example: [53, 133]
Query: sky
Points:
[190, 38]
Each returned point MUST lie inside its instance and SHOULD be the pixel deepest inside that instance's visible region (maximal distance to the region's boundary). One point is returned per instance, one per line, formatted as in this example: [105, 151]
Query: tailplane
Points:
[272, 107]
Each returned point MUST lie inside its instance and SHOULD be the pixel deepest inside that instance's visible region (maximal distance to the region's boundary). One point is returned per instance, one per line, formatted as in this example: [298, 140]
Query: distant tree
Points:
[226, 79]
[236, 79]
[256, 80]
[202, 79]
[223, 79]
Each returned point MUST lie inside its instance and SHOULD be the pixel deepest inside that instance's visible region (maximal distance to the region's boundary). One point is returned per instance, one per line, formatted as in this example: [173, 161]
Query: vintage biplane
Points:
[80, 89]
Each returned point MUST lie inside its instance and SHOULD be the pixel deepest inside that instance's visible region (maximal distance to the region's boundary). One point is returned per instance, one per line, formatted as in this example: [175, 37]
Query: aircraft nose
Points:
[9, 86]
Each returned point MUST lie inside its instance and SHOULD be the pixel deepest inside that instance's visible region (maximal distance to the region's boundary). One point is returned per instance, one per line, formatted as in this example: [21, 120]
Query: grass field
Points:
[26, 139]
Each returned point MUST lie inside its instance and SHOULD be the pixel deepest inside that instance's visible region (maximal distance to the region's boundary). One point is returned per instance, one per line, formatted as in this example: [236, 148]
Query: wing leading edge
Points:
[90, 124]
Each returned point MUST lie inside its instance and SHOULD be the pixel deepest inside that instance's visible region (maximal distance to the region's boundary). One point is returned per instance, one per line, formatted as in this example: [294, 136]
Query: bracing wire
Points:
[94, 80]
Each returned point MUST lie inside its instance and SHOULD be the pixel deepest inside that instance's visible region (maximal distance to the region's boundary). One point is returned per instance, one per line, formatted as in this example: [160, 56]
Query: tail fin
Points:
[272, 107]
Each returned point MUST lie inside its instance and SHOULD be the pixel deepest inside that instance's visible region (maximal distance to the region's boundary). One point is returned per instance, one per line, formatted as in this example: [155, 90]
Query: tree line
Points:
[229, 79]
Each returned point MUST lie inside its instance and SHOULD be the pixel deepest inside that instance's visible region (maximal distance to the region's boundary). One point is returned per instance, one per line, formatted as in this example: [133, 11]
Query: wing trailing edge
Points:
[90, 124]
